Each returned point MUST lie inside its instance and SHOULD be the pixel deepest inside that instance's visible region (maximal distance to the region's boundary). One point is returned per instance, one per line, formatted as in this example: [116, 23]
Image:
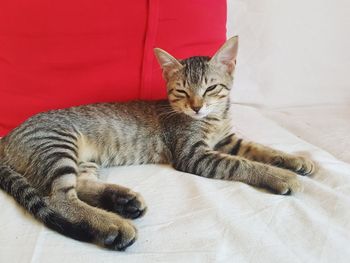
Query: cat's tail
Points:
[27, 196]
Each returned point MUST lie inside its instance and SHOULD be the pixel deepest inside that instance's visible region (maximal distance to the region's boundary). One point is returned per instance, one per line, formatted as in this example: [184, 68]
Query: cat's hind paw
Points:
[123, 202]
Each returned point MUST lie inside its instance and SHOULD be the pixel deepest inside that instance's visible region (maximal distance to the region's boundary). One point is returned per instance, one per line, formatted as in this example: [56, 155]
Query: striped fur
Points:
[50, 163]
[27, 196]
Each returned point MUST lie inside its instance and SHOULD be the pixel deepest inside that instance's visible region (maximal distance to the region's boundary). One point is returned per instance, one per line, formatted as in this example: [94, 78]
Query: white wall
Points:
[292, 52]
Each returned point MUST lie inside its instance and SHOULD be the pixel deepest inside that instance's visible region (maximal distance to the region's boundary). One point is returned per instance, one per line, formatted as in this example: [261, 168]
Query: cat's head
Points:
[200, 86]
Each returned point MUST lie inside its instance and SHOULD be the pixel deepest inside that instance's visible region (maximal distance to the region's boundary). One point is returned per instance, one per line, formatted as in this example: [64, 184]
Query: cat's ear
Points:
[226, 56]
[168, 63]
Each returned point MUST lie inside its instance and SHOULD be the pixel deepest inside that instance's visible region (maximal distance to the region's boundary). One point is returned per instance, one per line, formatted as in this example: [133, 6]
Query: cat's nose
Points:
[196, 108]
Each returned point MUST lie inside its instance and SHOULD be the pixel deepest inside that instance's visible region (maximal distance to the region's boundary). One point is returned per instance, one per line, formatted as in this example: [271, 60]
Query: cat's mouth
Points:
[197, 116]
[200, 114]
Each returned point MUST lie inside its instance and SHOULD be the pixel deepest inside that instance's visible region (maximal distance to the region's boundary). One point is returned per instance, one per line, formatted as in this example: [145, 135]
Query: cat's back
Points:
[98, 115]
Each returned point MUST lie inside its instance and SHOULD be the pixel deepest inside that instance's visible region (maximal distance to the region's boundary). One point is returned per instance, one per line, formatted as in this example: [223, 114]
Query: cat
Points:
[50, 163]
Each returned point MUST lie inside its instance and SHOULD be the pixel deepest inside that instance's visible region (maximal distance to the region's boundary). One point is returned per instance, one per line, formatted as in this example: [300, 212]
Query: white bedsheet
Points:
[192, 219]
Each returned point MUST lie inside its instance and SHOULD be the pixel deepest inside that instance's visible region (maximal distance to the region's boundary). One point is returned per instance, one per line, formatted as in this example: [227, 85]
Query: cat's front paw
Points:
[124, 202]
[282, 181]
[303, 165]
[298, 164]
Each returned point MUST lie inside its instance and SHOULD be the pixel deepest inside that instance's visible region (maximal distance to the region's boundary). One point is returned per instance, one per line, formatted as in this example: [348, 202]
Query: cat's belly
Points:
[122, 152]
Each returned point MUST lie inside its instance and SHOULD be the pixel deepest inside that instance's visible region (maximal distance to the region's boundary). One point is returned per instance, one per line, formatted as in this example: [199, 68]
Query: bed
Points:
[192, 219]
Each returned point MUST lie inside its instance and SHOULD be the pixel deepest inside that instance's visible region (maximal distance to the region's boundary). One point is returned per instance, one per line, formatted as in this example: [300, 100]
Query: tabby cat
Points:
[50, 163]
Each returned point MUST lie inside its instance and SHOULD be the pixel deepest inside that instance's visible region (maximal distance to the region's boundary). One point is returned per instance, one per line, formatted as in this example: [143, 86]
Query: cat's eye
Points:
[183, 92]
[212, 87]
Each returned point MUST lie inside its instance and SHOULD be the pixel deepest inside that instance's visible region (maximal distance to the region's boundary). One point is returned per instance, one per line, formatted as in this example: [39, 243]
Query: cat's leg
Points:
[101, 227]
[197, 158]
[260, 153]
[111, 197]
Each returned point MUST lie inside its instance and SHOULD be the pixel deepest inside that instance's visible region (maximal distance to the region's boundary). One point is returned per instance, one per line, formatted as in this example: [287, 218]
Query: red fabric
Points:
[55, 54]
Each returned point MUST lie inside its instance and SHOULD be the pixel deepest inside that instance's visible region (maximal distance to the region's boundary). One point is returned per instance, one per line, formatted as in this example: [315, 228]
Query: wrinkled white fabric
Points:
[193, 219]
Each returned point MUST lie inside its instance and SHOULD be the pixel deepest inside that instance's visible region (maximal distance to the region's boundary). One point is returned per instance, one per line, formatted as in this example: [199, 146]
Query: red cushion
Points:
[55, 54]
